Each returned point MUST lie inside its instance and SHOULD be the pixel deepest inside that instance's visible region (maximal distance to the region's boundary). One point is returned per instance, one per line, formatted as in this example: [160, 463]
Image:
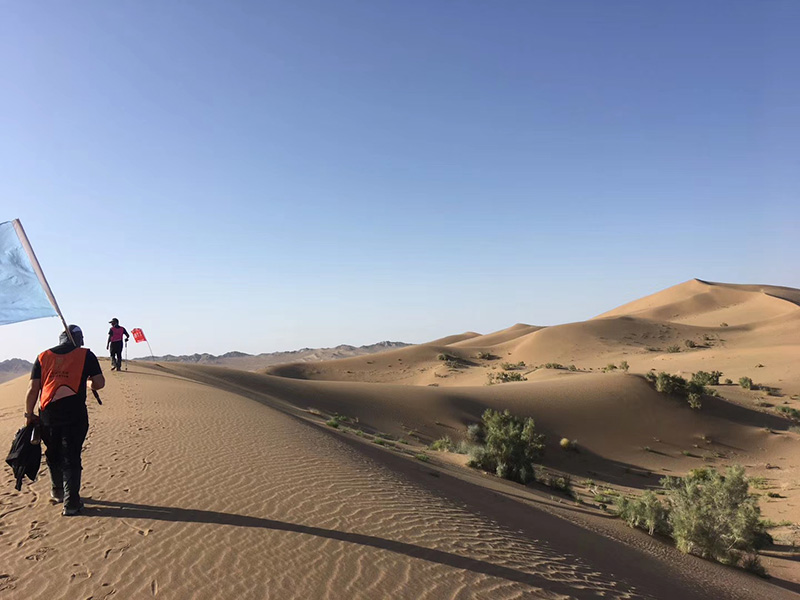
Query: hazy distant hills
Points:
[13, 368]
[251, 362]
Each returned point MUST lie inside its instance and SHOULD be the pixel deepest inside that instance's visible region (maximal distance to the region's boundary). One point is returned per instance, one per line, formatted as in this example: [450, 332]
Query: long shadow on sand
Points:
[102, 508]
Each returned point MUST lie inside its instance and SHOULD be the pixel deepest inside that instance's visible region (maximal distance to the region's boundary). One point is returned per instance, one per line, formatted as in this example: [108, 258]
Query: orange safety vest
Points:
[62, 374]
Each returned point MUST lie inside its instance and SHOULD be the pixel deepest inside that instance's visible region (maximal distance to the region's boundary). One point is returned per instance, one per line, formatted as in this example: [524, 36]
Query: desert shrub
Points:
[476, 433]
[674, 348]
[670, 384]
[505, 377]
[609, 367]
[485, 355]
[714, 515]
[624, 365]
[443, 356]
[553, 365]
[509, 366]
[568, 444]
[651, 376]
[674, 384]
[690, 344]
[443, 444]
[422, 456]
[705, 378]
[752, 562]
[723, 324]
[746, 382]
[729, 382]
[335, 421]
[645, 512]
[512, 446]
[572, 368]
[562, 483]
[790, 412]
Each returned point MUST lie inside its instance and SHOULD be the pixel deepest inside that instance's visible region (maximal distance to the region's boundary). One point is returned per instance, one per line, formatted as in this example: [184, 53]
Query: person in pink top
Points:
[115, 335]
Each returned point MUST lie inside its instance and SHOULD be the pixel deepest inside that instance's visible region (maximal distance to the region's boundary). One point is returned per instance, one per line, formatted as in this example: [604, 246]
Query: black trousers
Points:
[64, 444]
[116, 354]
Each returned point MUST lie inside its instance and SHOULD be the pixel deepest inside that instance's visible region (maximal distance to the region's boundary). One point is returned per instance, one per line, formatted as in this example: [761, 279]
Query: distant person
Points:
[115, 335]
[58, 381]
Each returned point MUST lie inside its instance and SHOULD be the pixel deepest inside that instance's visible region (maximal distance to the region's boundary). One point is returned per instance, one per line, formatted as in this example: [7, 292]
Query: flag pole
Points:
[37, 268]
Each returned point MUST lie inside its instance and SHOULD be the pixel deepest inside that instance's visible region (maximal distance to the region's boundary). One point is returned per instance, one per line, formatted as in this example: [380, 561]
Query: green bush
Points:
[705, 378]
[714, 515]
[505, 377]
[552, 365]
[572, 368]
[443, 444]
[624, 365]
[746, 382]
[790, 412]
[422, 456]
[508, 366]
[476, 433]
[512, 447]
[729, 382]
[609, 367]
[562, 483]
[674, 348]
[690, 343]
[651, 376]
[674, 384]
[646, 512]
[485, 355]
[670, 384]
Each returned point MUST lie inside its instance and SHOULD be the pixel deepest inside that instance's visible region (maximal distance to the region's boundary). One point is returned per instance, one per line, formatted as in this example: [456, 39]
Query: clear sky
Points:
[264, 176]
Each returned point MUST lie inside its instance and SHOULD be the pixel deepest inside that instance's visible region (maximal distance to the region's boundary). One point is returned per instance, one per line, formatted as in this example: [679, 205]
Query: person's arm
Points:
[108, 343]
[93, 372]
[97, 382]
[31, 396]
[125, 331]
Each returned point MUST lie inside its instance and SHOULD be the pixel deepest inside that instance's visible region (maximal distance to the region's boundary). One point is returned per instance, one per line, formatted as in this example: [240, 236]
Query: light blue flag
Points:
[22, 296]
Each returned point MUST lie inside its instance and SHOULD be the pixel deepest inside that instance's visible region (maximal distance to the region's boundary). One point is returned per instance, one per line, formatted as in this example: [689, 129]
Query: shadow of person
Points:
[110, 509]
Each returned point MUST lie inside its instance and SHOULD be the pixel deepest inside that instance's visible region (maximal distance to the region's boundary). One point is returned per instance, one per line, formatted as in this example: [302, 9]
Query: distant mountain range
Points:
[13, 368]
[254, 362]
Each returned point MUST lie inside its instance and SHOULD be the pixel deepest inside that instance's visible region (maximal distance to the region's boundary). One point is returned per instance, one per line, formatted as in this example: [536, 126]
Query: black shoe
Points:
[56, 496]
[71, 511]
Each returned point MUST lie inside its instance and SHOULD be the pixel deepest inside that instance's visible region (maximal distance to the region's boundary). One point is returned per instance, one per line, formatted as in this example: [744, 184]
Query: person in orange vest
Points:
[115, 335]
[58, 381]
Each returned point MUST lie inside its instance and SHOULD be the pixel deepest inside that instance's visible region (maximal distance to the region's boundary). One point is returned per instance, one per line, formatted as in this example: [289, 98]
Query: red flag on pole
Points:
[138, 335]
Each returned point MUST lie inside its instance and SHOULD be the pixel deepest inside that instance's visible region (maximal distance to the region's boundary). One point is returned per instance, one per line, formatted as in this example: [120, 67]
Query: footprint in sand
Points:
[81, 573]
[120, 550]
[40, 554]
[7, 582]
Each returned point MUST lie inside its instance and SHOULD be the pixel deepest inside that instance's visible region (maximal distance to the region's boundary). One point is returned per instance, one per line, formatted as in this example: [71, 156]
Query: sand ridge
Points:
[209, 482]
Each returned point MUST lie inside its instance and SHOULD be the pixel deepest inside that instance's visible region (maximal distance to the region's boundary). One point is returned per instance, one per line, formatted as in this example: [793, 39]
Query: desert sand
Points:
[209, 482]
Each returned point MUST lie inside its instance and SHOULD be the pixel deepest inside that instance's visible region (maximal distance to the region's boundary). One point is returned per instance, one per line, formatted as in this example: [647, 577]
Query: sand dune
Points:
[209, 482]
[196, 491]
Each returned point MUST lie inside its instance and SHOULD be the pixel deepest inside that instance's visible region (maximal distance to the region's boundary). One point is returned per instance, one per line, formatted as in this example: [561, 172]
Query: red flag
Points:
[138, 335]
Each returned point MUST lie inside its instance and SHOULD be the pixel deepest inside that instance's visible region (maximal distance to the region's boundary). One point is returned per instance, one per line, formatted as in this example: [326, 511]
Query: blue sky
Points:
[263, 176]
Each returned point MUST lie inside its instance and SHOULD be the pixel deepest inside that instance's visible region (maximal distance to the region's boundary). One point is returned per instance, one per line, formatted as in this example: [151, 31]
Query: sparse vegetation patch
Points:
[706, 513]
[512, 447]
[505, 377]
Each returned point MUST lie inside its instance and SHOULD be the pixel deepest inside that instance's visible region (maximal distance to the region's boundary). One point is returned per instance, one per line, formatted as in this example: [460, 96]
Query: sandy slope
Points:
[207, 482]
[195, 491]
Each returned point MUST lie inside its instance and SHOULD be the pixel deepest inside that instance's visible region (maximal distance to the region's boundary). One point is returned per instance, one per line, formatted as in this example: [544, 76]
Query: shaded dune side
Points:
[613, 417]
